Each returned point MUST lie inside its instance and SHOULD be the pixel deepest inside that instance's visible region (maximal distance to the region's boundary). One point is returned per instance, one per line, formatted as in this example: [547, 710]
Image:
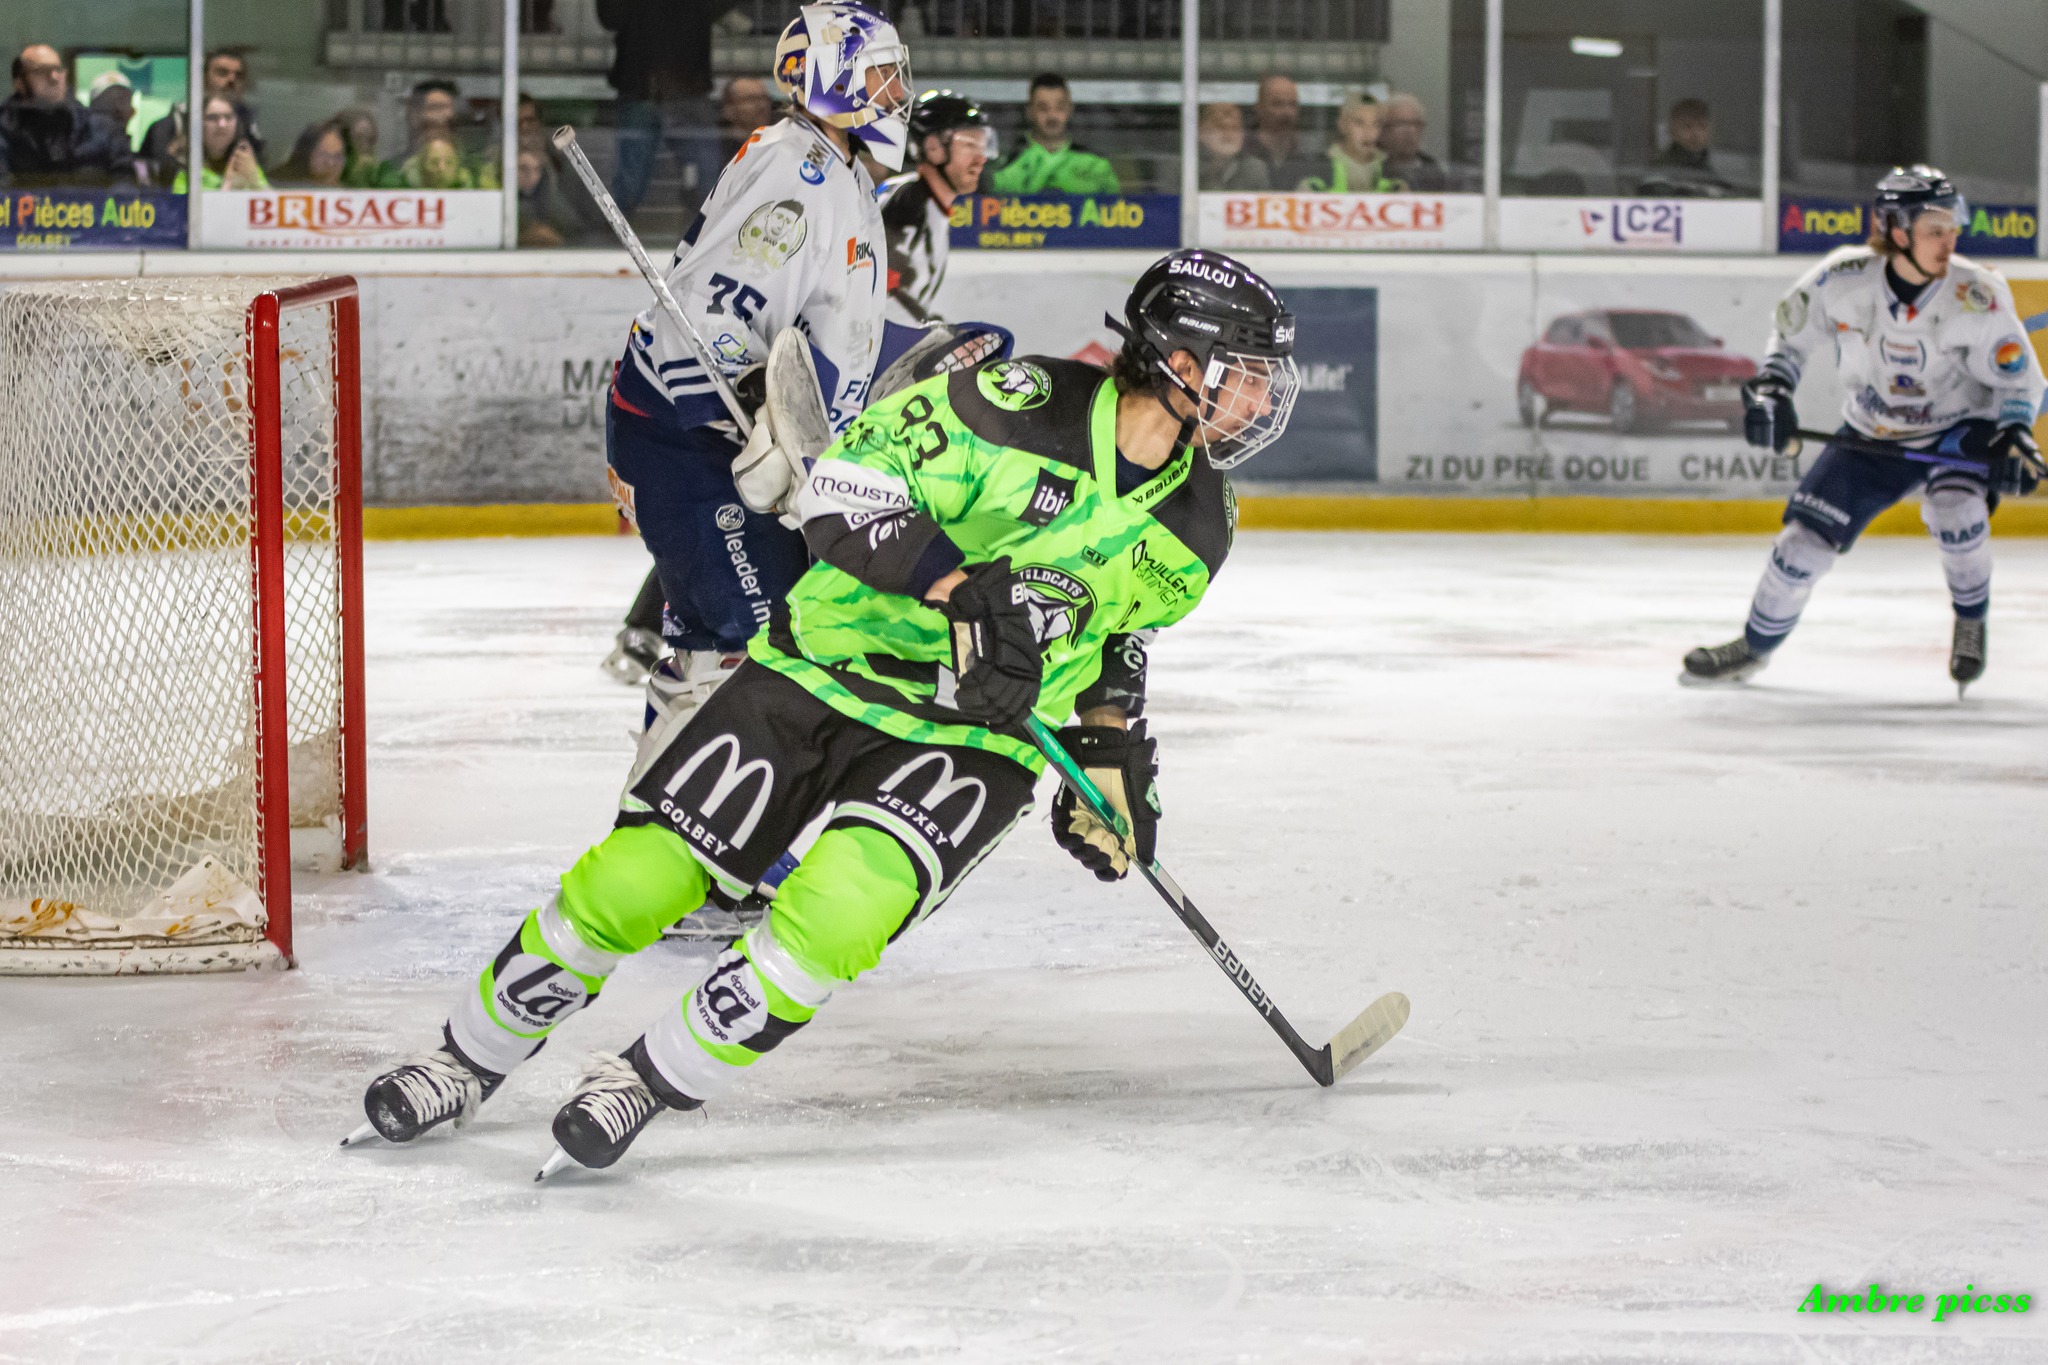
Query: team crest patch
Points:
[772, 234]
[1975, 298]
[1015, 385]
[2010, 357]
[1792, 313]
[1060, 604]
[730, 517]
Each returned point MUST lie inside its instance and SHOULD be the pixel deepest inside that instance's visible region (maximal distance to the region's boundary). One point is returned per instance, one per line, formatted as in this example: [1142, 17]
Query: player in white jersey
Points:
[1943, 391]
[790, 237]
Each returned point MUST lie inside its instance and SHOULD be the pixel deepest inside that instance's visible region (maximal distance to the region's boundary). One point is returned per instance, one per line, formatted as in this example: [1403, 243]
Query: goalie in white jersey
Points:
[1943, 391]
[790, 237]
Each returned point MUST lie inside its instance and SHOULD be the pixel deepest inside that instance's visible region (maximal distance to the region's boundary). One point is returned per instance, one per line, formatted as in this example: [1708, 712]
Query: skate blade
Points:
[361, 1135]
[557, 1160]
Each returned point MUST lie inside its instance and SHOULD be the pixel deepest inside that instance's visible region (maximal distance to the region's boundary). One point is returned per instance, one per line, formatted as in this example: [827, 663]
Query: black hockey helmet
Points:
[941, 113]
[1906, 192]
[1238, 330]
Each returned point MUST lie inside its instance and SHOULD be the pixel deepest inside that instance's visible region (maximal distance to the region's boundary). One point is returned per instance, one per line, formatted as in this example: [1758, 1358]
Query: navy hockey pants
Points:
[722, 567]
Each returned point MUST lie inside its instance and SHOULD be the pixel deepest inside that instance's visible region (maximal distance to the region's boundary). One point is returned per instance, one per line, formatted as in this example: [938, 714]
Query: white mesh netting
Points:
[128, 712]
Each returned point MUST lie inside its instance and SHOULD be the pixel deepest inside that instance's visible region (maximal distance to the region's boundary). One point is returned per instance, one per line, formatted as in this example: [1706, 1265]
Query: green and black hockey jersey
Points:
[1018, 458]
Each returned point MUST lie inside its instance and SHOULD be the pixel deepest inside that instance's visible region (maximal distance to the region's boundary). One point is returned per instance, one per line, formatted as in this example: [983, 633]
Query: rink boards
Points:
[485, 377]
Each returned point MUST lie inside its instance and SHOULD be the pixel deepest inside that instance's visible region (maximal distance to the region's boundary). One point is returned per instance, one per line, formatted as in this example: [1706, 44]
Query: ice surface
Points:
[1717, 995]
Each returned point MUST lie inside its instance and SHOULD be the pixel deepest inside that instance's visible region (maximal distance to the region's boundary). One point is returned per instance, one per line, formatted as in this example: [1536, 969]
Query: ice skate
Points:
[634, 656]
[612, 1103]
[424, 1093]
[1719, 665]
[1966, 653]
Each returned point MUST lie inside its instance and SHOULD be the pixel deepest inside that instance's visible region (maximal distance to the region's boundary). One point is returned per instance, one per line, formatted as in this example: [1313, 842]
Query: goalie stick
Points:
[1355, 1042]
[565, 140]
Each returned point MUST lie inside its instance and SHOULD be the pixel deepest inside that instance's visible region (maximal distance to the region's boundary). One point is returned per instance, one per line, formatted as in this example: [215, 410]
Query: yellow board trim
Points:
[1357, 512]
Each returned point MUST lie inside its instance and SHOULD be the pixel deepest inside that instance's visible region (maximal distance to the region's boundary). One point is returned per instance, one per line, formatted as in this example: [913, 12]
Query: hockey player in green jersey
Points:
[991, 544]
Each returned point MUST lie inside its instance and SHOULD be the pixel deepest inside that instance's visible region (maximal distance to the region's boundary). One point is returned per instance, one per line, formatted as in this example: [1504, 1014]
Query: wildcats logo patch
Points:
[1060, 604]
[1052, 496]
[1014, 385]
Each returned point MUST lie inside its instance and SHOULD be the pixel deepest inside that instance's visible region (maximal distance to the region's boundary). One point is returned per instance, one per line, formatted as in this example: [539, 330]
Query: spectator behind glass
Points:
[1686, 167]
[437, 165]
[661, 67]
[1401, 125]
[432, 117]
[225, 74]
[319, 160]
[46, 138]
[359, 126]
[1353, 162]
[227, 156]
[1046, 160]
[546, 217]
[1224, 163]
[112, 101]
[745, 106]
[1276, 133]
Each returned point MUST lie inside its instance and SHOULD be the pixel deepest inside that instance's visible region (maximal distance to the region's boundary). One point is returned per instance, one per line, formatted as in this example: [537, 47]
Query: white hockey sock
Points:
[1959, 519]
[544, 975]
[1799, 556]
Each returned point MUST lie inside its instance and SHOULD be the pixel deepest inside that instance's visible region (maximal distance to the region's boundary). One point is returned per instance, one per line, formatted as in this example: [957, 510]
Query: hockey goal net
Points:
[180, 617]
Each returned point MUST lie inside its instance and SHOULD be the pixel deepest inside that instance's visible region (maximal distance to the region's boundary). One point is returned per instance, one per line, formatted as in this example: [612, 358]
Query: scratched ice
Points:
[1716, 996]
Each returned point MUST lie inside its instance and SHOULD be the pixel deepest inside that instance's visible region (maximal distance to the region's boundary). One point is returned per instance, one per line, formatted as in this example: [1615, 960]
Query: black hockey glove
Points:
[1123, 765]
[2016, 467]
[1768, 417]
[996, 664]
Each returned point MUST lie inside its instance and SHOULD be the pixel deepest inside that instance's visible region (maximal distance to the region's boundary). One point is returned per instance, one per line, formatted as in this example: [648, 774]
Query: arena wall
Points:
[485, 376]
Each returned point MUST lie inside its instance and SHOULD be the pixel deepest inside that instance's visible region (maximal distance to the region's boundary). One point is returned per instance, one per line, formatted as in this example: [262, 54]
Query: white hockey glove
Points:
[766, 475]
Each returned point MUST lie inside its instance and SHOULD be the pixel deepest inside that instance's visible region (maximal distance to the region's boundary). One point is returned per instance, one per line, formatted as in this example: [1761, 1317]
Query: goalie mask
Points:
[847, 67]
[1238, 331]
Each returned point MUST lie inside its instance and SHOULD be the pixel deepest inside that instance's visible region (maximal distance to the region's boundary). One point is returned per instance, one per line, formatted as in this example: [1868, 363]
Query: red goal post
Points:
[172, 726]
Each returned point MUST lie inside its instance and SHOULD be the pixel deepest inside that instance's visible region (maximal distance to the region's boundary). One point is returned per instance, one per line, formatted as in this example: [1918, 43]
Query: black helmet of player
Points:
[1904, 194]
[1241, 336]
[942, 113]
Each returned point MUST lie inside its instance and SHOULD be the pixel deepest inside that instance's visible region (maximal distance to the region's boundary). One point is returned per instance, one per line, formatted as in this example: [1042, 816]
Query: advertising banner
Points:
[1809, 224]
[1356, 222]
[310, 220]
[1631, 224]
[1031, 222]
[74, 219]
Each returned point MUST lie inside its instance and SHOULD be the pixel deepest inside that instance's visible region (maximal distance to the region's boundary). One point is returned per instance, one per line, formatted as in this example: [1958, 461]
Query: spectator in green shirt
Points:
[1046, 161]
[1356, 164]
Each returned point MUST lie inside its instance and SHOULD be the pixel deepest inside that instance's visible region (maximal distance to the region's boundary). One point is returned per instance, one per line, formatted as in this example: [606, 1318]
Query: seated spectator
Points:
[1401, 125]
[547, 218]
[112, 100]
[359, 126]
[47, 138]
[745, 106]
[1224, 163]
[228, 158]
[1355, 164]
[1685, 167]
[225, 74]
[1046, 160]
[1276, 133]
[437, 165]
[320, 159]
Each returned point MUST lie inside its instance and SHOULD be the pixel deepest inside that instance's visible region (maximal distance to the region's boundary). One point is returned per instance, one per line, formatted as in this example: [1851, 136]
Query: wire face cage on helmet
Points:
[1240, 334]
[848, 68]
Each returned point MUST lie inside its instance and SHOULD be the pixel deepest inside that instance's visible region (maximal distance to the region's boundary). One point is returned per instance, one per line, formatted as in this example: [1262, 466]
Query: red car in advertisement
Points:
[1640, 367]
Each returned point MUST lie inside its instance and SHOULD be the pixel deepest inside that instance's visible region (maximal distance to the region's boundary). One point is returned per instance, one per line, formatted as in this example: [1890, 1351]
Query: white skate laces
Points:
[612, 1093]
[436, 1084]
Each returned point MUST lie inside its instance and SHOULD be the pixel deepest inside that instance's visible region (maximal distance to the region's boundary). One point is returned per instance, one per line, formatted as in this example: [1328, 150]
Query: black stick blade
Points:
[1366, 1034]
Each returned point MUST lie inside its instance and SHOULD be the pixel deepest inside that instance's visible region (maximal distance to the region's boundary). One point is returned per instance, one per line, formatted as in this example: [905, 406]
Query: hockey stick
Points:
[565, 141]
[1356, 1041]
[1801, 435]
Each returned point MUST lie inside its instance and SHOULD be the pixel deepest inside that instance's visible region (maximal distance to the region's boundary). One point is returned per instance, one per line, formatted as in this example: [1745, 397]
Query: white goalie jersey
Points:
[791, 237]
[1912, 370]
